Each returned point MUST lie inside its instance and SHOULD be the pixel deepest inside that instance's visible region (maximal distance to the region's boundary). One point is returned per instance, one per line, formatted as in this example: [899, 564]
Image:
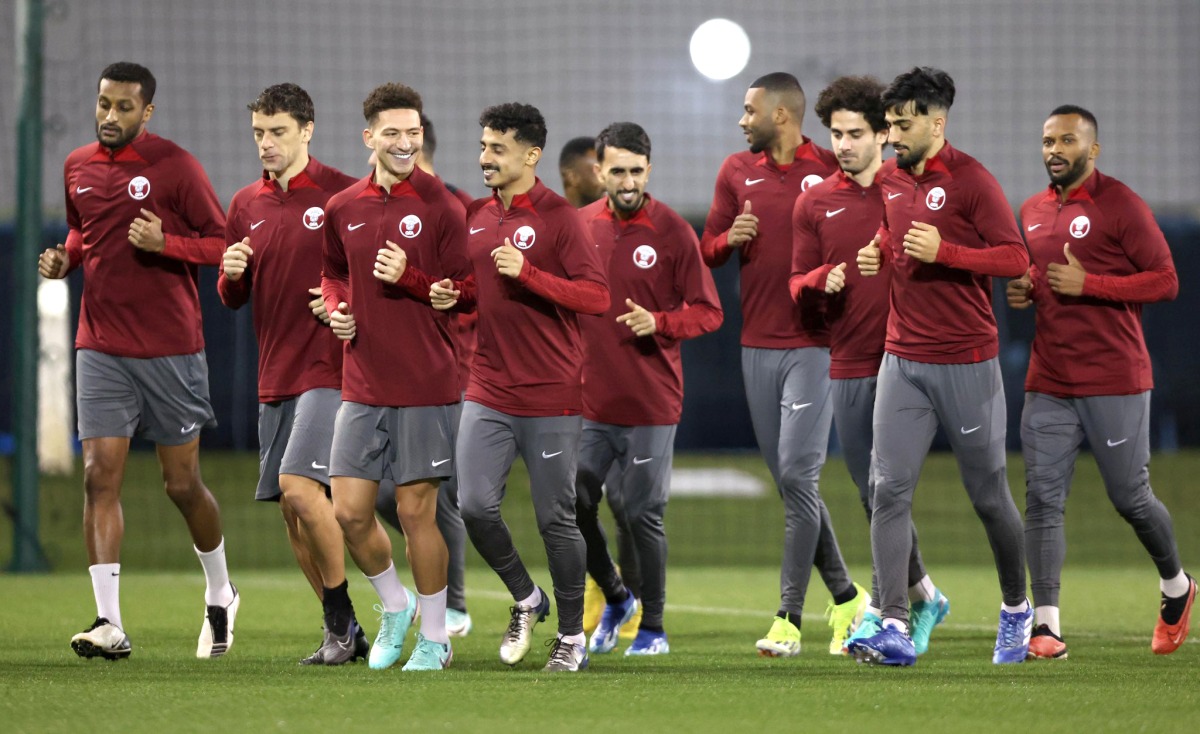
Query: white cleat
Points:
[216, 632]
[103, 639]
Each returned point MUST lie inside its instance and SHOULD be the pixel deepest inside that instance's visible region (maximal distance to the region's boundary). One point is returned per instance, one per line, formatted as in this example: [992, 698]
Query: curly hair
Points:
[131, 73]
[861, 94]
[627, 135]
[286, 97]
[390, 96]
[526, 120]
[924, 86]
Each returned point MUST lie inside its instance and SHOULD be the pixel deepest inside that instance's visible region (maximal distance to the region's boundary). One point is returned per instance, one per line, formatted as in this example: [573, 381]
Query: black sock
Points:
[1172, 607]
[657, 629]
[793, 618]
[619, 598]
[849, 593]
[339, 610]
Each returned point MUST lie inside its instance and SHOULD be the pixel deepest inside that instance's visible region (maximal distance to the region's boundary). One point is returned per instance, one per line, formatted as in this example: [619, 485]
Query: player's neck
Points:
[285, 177]
[1064, 192]
[866, 177]
[385, 179]
[522, 185]
[934, 149]
[783, 150]
[624, 216]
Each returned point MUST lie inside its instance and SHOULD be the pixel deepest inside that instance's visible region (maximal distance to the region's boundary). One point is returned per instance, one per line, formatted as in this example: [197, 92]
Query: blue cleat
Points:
[889, 647]
[924, 616]
[649, 643]
[604, 639]
[429, 655]
[1012, 638]
[393, 626]
[870, 626]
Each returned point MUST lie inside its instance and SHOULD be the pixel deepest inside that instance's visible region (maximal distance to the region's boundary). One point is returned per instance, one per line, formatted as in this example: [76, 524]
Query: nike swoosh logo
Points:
[1032, 227]
[798, 406]
[116, 574]
[185, 430]
[353, 227]
[344, 645]
[829, 214]
[893, 196]
[477, 230]
[966, 430]
[315, 465]
[550, 456]
[81, 190]
[750, 182]
[256, 225]
[639, 462]
[436, 464]
[1111, 443]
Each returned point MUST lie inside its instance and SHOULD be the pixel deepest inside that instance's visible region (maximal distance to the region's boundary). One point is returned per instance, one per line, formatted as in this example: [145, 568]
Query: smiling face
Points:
[121, 115]
[395, 137]
[1069, 149]
[758, 119]
[506, 160]
[624, 174]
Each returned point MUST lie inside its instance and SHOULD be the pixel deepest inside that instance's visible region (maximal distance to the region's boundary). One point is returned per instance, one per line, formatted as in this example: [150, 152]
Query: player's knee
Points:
[354, 524]
[1133, 503]
[182, 490]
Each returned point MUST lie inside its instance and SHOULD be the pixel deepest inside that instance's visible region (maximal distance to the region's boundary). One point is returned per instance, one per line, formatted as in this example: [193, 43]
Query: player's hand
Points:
[922, 242]
[869, 258]
[744, 229]
[146, 233]
[509, 260]
[53, 263]
[442, 295]
[317, 306]
[236, 259]
[1018, 291]
[390, 263]
[342, 322]
[836, 280]
[1066, 279]
[638, 319]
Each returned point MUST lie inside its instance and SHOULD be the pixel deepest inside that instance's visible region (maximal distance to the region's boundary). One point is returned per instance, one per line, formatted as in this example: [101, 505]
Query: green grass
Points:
[711, 681]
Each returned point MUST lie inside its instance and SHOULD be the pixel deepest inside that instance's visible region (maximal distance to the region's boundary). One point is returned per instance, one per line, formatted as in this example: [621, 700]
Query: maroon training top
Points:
[296, 352]
[653, 259]
[403, 352]
[529, 357]
[135, 303]
[770, 319]
[1092, 344]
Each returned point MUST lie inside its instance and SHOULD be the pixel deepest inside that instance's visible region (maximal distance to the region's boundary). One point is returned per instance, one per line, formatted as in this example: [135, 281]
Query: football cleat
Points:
[1168, 637]
[566, 657]
[604, 639]
[1012, 636]
[844, 618]
[216, 632]
[1045, 645]
[429, 655]
[649, 643]
[339, 649]
[924, 616]
[393, 627]
[868, 627]
[890, 646]
[630, 629]
[782, 641]
[458, 624]
[518, 637]
[103, 639]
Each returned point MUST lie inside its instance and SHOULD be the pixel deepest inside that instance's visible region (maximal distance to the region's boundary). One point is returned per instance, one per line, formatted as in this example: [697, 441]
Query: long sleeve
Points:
[714, 243]
[1007, 260]
[582, 296]
[202, 212]
[702, 311]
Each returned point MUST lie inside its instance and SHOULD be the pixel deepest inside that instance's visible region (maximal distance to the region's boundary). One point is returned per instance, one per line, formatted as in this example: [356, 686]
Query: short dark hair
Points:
[627, 135]
[924, 86]
[575, 149]
[861, 94]
[786, 86]
[390, 96]
[428, 137]
[286, 97]
[127, 71]
[525, 120]
[1072, 109]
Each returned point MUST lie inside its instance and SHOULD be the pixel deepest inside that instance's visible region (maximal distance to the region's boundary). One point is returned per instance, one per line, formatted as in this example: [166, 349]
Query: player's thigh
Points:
[107, 402]
[646, 476]
[1051, 434]
[903, 424]
[422, 443]
[310, 443]
[597, 454]
[969, 399]
[360, 442]
[485, 449]
[806, 411]
[550, 448]
[1118, 429]
[274, 428]
[175, 401]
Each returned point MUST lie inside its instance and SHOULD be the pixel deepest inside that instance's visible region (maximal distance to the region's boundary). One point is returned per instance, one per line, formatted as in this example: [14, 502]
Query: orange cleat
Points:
[1168, 637]
[1045, 645]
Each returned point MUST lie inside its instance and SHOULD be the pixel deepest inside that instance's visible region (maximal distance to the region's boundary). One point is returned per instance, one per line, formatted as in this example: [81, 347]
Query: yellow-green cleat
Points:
[782, 641]
[844, 618]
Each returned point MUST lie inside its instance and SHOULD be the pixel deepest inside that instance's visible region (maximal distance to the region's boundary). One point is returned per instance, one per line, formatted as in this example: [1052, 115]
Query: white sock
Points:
[873, 610]
[923, 590]
[532, 600]
[218, 592]
[896, 624]
[579, 639]
[1019, 609]
[1177, 586]
[433, 617]
[391, 591]
[106, 587]
[1049, 617]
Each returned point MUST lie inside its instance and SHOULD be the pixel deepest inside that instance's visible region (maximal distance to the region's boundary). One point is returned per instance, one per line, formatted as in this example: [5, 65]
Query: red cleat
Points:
[1045, 645]
[1168, 637]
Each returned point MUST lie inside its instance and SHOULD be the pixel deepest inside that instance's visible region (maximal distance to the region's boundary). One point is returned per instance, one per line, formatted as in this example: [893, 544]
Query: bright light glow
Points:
[720, 49]
[54, 298]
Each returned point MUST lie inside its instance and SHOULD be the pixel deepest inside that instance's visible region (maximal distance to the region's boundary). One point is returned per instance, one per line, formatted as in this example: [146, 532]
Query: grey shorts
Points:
[295, 436]
[162, 399]
[401, 444]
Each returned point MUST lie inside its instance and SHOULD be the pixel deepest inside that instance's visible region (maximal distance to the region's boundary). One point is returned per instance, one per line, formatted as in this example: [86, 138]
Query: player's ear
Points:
[532, 155]
[1094, 151]
[367, 138]
[147, 113]
[306, 131]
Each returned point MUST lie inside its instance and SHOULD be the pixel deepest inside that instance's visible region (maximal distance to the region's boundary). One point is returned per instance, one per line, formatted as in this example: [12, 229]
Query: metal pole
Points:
[27, 550]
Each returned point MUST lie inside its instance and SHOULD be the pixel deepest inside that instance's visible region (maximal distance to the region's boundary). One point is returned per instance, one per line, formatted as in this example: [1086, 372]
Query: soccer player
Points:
[399, 379]
[535, 268]
[785, 346]
[1097, 256]
[661, 294]
[829, 223]
[276, 225]
[141, 216]
[946, 228]
[577, 167]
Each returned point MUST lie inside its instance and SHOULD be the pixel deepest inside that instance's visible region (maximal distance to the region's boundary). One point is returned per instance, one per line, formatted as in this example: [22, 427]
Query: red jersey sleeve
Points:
[335, 272]
[234, 293]
[1147, 249]
[702, 312]
[201, 210]
[808, 268]
[74, 243]
[585, 289]
[1006, 255]
[714, 244]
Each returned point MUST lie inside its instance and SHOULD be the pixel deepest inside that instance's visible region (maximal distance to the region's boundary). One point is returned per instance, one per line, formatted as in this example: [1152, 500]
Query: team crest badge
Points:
[524, 237]
[410, 226]
[139, 188]
[811, 179]
[1080, 226]
[936, 198]
[644, 257]
[314, 217]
